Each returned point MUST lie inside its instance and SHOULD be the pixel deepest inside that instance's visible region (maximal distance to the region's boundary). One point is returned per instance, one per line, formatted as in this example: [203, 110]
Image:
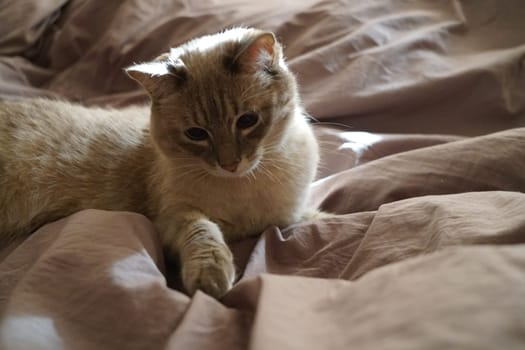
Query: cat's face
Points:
[221, 102]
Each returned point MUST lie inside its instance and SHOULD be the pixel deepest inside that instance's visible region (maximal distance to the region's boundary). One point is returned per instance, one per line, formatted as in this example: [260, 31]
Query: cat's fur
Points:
[57, 158]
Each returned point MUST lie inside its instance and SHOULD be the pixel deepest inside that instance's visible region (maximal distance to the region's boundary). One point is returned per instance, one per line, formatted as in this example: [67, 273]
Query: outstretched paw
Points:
[210, 270]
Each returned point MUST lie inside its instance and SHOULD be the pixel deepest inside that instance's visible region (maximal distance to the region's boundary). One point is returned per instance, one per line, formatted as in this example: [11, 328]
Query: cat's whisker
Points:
[269, 174]
[251, 175]
[336, 124]
[263, 171]
[272, 151]
[192, 172]
[201, 177]
[184, 167]
[281, 161]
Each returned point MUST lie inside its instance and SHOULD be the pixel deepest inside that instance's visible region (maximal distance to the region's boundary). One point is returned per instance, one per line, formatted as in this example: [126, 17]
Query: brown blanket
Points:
[427, 250]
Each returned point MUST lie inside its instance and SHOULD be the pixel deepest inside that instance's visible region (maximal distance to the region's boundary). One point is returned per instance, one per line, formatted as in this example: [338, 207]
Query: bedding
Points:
[419, 107]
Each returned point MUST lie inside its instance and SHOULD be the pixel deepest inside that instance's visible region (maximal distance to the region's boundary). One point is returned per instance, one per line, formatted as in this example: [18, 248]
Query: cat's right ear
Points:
[260, 52]
[157, 75]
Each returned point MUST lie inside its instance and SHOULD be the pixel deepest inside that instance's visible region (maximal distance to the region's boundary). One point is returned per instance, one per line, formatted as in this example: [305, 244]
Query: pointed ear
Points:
[148, 74]
[157, 75]
[258, 53]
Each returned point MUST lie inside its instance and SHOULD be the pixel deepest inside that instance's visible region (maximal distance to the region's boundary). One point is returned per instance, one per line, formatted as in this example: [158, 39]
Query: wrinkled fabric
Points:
[434, 259]
[422, 135]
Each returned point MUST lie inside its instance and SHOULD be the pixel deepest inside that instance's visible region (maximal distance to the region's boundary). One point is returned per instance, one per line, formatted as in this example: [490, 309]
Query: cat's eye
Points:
[247, 120]
[196, 134]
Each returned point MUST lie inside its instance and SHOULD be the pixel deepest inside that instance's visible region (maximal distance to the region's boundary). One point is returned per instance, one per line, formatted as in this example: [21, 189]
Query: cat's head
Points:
[220, 101]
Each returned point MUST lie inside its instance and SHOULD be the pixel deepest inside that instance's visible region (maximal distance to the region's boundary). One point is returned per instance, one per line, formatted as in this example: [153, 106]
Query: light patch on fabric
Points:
[29, 332]
[358, 141]
[135, 271]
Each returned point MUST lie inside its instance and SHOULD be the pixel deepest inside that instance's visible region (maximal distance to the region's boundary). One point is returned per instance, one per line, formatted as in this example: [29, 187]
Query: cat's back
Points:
[40, 120]
[36, 130]
[58, 157]
[38, 136]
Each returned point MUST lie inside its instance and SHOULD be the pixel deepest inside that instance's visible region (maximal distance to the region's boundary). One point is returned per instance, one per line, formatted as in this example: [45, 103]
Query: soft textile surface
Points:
[427, 250]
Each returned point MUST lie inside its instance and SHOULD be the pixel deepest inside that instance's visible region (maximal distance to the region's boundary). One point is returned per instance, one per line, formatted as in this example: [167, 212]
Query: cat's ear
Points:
[158, 75]
[258, 53]
[149, 75]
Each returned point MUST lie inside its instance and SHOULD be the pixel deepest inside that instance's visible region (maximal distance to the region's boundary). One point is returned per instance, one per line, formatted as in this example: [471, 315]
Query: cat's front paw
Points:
[210, 270]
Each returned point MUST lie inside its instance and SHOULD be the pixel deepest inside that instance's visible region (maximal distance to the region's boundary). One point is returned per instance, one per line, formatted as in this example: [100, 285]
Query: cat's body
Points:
[57, 158]
[228, 164]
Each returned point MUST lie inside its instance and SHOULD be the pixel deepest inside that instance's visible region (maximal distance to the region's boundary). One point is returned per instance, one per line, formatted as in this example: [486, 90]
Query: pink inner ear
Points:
[260, 50]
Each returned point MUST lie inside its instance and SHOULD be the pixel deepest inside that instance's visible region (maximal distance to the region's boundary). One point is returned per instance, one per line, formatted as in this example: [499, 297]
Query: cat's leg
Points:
[206, 261]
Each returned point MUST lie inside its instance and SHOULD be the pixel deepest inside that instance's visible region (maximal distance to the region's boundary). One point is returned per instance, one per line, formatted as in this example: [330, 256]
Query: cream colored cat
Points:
[223, 152]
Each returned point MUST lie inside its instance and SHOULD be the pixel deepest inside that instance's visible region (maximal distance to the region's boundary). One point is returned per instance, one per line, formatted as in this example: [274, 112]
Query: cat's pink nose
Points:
[230, 167]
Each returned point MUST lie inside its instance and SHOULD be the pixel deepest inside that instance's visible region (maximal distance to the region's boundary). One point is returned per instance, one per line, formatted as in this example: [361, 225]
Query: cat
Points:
[223, 151]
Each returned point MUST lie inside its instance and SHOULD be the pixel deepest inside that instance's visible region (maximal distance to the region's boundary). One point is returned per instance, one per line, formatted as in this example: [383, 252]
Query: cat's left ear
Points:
[155, 76]
[260, 52]
[148, 74]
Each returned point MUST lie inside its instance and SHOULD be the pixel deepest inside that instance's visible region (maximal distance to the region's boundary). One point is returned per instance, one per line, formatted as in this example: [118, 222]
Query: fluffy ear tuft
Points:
[258, 53]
